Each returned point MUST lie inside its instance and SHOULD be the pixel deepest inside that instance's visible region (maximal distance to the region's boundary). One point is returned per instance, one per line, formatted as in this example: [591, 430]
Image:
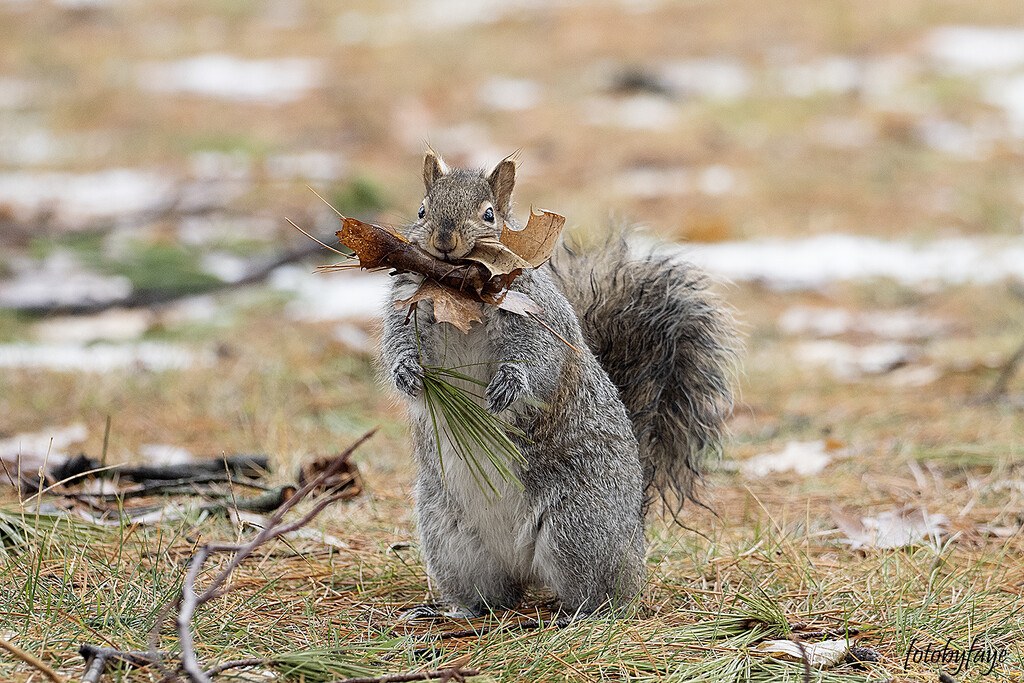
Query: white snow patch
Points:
[165, 454]
[77, 198]
[353, 337]
[638, 112]
[225, 266]
[215, 165]
[223, 76]
[891, 528]
[36, 445]
[851, 363]
[510, 94]
[118, 324]
[16, 93]
[832, 322]
[815, 262]
[717, 180]
[310, 165]
[331, 296]
[1008, 93]
[968, 50]
[805, 458]
[716, 79]
[155, 356]
[59, 280]
[220, 228]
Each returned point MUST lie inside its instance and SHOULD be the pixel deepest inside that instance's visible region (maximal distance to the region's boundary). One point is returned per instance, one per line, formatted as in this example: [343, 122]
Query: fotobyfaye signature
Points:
[944, 654]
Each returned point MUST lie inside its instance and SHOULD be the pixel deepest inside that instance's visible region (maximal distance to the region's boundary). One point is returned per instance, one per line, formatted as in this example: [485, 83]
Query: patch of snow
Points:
[637, 112]
[16, 93]
[35, 445]
[973, 142]
[165, 454]
[331, 296]
[219, 228]
[78, 198]
[119, 324]
[216, 165]
[832, 322]
[1008, 94]
[837, 75]
[814, 262]
[805, 458]
[510, 94]
[154, 356]
[968, 50]
[717, 180]
[59, 280]
[715, 79]
[31, 146]
[228, 267]
[890, 529]
[851, 363]
[223, 76]
[311, 165]
[353, 337]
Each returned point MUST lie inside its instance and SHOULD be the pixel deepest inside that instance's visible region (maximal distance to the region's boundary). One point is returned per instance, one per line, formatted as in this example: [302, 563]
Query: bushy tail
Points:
[669, 346]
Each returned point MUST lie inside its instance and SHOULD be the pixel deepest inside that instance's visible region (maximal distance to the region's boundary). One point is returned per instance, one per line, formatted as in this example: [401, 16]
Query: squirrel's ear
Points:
[433, 168]
[502, 181]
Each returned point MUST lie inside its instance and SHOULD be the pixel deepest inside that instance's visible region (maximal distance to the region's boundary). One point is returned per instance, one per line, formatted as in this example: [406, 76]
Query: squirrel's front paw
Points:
[506, 387]
[408, 374]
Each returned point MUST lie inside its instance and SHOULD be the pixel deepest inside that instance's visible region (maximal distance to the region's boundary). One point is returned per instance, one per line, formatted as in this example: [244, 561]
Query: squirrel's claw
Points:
[507, 386]
[408, 374]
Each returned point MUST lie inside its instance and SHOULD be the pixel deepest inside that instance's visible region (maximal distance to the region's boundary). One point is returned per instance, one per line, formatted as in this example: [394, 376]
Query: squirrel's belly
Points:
[502, 516]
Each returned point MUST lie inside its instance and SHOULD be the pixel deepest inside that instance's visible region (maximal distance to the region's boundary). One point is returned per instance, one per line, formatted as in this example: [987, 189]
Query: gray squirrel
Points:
[634, 411]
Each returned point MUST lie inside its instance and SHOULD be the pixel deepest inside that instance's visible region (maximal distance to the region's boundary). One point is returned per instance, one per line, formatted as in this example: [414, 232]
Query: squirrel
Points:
[630, 404]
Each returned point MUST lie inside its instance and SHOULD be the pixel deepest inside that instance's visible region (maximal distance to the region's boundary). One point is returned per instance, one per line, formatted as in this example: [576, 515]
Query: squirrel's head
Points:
[461, 206]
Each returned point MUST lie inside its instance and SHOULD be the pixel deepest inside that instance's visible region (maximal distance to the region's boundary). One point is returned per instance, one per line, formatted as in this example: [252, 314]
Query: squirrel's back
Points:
[668, 345]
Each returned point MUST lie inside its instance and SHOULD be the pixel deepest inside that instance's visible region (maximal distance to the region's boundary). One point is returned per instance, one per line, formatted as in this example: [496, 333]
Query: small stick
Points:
[97, 657]
[238, 664]
[325, 246]
[533, 315]
[31, 660]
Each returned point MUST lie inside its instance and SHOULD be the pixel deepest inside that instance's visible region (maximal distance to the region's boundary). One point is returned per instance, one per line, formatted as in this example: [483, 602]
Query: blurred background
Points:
[851, 173]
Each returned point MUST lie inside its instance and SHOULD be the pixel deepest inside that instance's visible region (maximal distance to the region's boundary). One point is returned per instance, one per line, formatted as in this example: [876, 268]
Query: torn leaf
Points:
[496, 257]
[536, 242]
[450, 305]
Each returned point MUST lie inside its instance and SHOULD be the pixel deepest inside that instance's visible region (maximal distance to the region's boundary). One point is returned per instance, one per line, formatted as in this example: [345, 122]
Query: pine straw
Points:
[773, 539]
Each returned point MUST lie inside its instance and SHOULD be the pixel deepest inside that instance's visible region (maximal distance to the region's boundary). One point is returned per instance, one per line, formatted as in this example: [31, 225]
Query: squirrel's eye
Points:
[422, 212]
[489, 215]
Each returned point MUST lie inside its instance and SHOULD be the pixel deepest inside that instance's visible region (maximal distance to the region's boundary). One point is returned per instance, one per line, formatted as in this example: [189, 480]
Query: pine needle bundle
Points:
[470, 429]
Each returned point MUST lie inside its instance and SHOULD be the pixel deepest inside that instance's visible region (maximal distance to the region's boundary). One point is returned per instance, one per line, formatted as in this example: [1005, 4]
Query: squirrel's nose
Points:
[445, 243]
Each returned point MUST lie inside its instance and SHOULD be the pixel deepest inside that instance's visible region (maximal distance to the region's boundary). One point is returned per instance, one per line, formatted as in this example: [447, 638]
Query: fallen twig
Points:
[97, 658]
[31, 660]
[190, 599]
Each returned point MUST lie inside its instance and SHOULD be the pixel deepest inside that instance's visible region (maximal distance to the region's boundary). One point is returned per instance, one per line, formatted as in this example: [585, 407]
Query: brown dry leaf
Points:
[536, 242]
[496, 257]
[373, 244]
[459, 308]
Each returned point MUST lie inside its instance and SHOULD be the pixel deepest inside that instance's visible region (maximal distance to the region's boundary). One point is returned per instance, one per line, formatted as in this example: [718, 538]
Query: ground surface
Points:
[725, 123]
